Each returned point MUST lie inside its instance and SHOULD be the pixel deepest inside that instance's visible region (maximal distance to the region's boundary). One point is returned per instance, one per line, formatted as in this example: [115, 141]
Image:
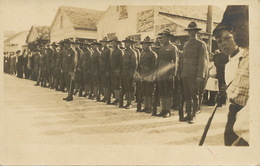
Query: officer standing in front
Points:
[72, 60]
[194, 70]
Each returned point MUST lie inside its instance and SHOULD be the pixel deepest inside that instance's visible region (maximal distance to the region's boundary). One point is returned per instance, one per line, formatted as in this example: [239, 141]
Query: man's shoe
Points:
[69, 99]
[65, 98]
[148, 110]
[192, 120]
[167, 114]
[115, 102]
[129, 106]
[143, 110]
[161, 113]
[185, 119]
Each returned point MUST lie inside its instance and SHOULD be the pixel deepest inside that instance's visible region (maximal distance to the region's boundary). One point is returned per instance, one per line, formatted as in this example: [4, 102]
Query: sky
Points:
[20, 15]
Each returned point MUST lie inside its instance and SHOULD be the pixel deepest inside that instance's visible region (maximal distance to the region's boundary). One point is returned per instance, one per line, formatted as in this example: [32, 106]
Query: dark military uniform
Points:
[20, 66]
[37, 65]
[72, 60]
[65, 70]
[194, 65]
[129, 66]
[44, 67]
[53, 68]
[58, 68]
[86, 70]
[167, 56]
[78, 73]
[115, 66]
[48, 66]
[95, 71]
[148, 66]
[104, 71]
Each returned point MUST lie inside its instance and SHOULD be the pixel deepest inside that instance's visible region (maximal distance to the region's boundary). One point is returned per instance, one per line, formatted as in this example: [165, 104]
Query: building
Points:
[38, 35]
[74, 22]
[142, 21]
[16, 42]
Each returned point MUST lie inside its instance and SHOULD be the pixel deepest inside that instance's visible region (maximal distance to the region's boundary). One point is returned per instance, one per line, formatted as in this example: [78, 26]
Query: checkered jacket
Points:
[238, 92]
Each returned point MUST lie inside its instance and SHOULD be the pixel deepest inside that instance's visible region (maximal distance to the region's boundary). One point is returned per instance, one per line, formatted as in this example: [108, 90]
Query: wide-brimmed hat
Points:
[78, 41]
[193, 26]
[55, 44]
[129, 39]
[147, 39]
[18, 51]
[115, 39]
[95, 43]
[70, 40]
[166, 32]
[104, 40]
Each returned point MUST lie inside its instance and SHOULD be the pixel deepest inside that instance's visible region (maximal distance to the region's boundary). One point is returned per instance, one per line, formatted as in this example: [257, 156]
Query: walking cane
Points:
[203, 137]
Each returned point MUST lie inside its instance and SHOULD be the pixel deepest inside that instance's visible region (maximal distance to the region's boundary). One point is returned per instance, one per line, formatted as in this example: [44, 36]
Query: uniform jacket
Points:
[80, 54]
[72, 60]
[129, 63]
[167, 61]
[115, 62]
[195, 59]
[105, 60]
[148, 63]
[86, 60]
[95, 62]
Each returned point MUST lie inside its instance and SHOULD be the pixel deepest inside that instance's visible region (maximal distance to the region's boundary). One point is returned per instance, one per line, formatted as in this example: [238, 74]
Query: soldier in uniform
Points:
[129, 66]
[72, 60]
[65, 69]
[48, 66]
[95, 69]
[194, 70]
[37, 65]
[86, 68]
[166, 72]
[19, 64]
[104, 70]
[43, 66]
[115, 66]
[53, 65]
[58, 68]
[148, 64]
[78, 74]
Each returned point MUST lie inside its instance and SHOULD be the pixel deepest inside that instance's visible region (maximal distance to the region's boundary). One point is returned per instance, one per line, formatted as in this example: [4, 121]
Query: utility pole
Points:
[209, 26]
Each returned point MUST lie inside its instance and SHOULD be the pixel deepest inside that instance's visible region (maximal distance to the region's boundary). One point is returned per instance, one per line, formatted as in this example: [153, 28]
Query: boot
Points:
[70, 98]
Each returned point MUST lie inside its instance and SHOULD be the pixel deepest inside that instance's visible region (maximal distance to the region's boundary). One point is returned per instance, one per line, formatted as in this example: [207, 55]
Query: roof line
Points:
[168, 14]
[12, 37]
[80, 28]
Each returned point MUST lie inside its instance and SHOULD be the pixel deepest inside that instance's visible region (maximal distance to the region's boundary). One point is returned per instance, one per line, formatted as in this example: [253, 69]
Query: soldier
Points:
[72, 60]
[43, 66]
[194, 70]
[48, 66]
[104, 70]
[86, 68]
[115, 66]
[148, 66]
[65, 68]
[58, 68]
[78, 74]
[95, 70]
[37, 65]
[19, 64]
[166, 72]
[138, 89]
[129, 66]
[53, 65]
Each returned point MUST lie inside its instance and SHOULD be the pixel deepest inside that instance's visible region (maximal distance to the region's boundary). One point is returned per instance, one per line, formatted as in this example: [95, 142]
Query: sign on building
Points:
[145, 21]
[123, 12]
[161, 28]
